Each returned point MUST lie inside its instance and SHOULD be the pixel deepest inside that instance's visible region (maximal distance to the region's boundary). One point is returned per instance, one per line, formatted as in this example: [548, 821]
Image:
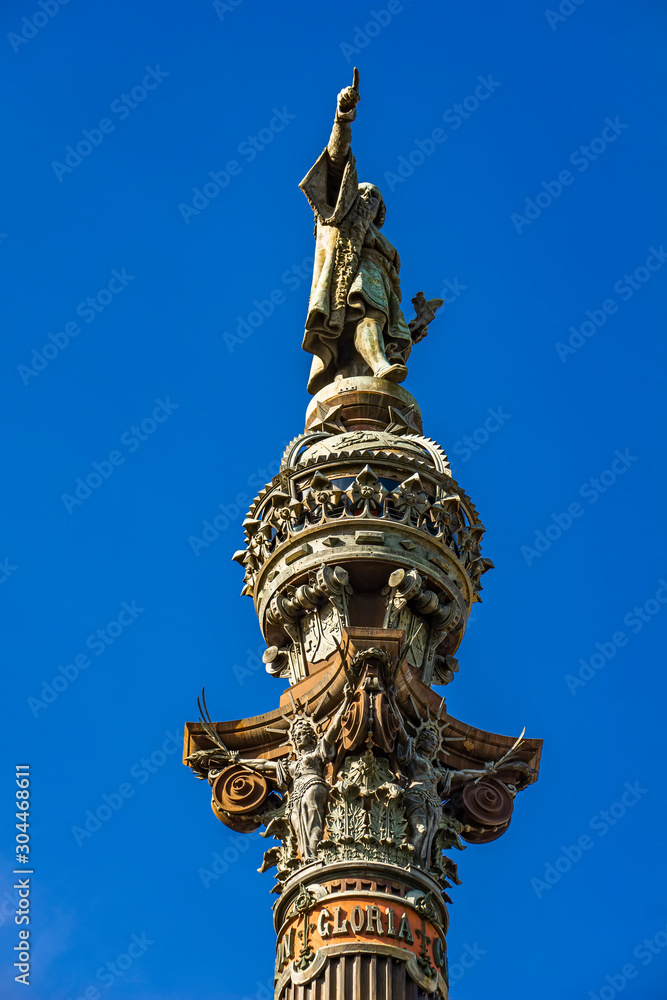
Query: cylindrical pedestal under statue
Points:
[361, 929]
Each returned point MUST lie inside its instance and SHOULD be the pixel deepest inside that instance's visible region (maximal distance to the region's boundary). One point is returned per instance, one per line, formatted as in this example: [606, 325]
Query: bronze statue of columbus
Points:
[355, 325]
[363, 558]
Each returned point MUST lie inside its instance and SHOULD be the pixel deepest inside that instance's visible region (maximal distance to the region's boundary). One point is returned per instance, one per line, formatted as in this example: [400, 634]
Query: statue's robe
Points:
[428, 785]
[356, 267]
[308, 795]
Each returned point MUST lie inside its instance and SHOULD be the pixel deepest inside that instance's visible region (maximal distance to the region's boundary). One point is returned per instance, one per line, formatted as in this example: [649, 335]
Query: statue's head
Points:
[371, 194]
[428, 741]
[304, 735]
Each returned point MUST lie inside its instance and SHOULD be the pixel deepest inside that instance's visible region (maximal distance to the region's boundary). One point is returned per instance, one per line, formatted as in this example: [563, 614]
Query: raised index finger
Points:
[355, 79]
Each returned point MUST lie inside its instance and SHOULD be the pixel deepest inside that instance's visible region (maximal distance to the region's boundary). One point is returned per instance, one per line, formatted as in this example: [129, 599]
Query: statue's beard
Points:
[360, 218]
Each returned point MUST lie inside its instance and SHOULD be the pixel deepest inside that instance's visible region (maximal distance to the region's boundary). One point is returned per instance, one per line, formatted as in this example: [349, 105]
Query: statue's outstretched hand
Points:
[350, 97]
[521, 766]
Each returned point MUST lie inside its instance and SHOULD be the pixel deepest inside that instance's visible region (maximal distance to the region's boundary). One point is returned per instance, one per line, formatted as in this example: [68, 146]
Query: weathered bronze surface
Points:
[355, 325]
[363, 558]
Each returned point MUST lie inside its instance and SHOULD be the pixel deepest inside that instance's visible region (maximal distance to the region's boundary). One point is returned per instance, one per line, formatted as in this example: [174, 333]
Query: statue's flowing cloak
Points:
[355, 267]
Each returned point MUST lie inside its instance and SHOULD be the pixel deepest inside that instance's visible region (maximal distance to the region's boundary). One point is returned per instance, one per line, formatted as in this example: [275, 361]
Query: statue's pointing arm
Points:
[331, 184]
[341, 133]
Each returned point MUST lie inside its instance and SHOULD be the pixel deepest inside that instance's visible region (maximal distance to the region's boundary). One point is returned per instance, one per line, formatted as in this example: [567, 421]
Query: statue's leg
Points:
[433, 817]
[296, 822]
[313, 810]
[418, 827]
[369, 343]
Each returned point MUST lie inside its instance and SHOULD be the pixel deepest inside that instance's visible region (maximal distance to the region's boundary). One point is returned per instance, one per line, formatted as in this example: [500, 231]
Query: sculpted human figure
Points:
[303, 778]
[429, 783]
[355, 325]
[308, 791]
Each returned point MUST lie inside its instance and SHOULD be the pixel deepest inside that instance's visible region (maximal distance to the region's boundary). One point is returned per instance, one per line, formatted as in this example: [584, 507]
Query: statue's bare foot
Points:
[392, 373]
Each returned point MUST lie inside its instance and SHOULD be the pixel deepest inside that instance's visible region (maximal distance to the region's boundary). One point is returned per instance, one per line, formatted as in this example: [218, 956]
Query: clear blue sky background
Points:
[520, 286]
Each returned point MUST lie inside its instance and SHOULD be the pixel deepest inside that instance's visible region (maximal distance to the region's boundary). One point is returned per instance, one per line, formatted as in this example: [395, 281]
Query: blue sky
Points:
[539, 210]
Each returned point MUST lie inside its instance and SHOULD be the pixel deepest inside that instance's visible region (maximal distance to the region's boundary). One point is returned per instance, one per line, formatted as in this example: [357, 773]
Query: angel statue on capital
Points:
[430, 783]
[302, 776]
[354, 325]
